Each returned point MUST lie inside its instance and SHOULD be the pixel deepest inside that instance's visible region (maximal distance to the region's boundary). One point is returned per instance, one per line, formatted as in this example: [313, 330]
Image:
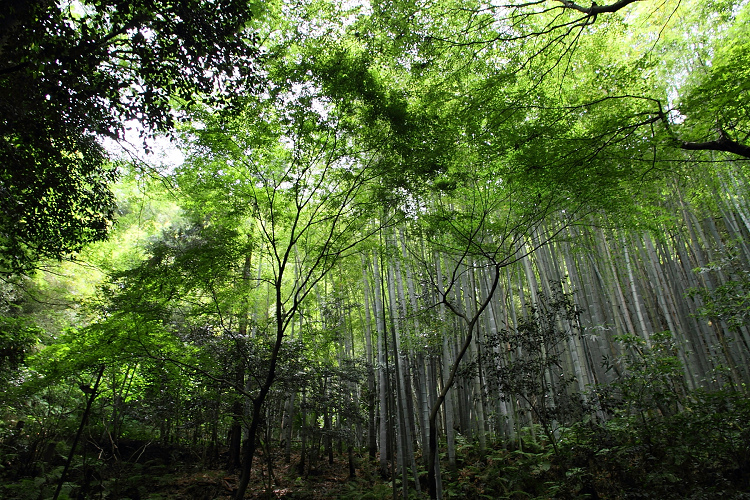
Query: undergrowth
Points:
[701, 450]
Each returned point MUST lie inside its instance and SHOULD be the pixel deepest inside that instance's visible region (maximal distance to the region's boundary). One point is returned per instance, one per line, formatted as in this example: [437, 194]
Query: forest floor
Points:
[324, 482]
[330, 482]
[592, 465]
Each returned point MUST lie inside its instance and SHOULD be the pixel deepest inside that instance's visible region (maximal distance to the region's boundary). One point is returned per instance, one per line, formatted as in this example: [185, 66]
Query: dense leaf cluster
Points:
[72, 72]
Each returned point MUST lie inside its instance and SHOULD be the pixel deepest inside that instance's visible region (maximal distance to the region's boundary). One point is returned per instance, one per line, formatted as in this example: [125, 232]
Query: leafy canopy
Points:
[71, 72]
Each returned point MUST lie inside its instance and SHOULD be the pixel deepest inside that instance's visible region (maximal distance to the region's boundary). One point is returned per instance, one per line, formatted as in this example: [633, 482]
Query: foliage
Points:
[700, 452]
[527, 361]
[17, 337]
[728, 301]
[653, 378]
[696, 453]
[74, 71]
[714, 102]
[225, 307]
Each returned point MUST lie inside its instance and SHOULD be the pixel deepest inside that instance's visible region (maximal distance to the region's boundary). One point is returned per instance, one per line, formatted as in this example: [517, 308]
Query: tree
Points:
[286, 172]
[72, 72]
[484, 225]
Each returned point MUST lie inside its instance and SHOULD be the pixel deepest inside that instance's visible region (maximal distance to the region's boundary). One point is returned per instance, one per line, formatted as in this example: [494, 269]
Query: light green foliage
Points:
[716, 95]
[485, 131]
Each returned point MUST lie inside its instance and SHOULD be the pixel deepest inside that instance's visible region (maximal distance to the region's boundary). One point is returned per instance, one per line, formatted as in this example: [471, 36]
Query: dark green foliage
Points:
[527, 360]
[702, 452]
[661, 441]
[17, 337]
[652, 380]
[70, 72]
[54, 197]
[730, 300]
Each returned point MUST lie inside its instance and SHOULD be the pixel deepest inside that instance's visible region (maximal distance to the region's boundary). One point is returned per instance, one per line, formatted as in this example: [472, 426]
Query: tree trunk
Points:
[92, 393]
[372, 443]
[471, 323]
[383, 388]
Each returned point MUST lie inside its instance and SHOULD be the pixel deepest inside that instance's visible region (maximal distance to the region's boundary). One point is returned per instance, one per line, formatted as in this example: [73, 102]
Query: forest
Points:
[370, 249]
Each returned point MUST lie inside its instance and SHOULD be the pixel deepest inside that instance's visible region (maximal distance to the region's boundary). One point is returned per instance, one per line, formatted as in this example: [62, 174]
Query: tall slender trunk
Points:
[634, 293]
[476, 353]
[372, 443]
[235, 433]
[405, 409]
[383, 388]
[403, 442]
[260, 398]
[420, 375]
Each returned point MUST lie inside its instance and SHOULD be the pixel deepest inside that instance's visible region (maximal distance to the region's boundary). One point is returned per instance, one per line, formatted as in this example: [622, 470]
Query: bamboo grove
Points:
[431, 229]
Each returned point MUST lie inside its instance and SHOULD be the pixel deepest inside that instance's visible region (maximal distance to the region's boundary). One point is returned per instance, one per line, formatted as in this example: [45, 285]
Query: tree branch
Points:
[723, 143]
[596, 9]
